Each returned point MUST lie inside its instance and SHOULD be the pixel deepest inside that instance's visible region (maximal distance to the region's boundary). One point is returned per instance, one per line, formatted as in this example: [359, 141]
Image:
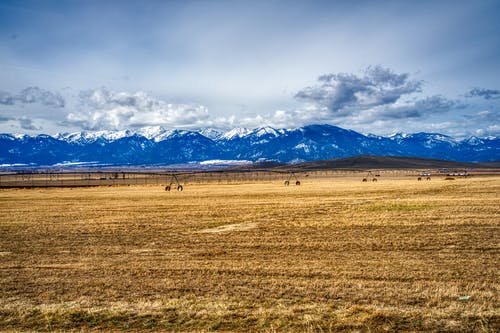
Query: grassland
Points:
[330, 255]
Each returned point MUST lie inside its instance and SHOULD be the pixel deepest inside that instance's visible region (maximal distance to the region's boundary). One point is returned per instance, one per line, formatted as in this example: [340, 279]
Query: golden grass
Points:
[327, 256]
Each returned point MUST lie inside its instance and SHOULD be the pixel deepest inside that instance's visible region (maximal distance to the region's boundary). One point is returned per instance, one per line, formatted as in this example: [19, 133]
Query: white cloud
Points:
[104, 109]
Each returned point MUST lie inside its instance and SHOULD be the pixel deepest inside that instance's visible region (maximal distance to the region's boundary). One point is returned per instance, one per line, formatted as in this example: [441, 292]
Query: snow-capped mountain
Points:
[210, 133]
[159, 146]
[236, 133]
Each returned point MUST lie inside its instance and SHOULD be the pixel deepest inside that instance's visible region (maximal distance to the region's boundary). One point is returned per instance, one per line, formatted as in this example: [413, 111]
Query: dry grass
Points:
[327, 256]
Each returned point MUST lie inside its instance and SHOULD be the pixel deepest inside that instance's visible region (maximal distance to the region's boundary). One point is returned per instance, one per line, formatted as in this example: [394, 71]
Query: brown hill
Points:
[364, 162]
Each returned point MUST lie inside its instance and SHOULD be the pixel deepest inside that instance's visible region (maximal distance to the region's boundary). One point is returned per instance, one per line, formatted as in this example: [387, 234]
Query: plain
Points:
[332, 254]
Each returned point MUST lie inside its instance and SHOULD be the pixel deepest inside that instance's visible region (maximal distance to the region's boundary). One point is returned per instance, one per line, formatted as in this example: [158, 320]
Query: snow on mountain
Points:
[152, 132]
[156, 133]
[225, 162]
[113, 136]
[268, 131]
[373, 136]
[236, 133]
[434, 137]
[474, 141]
[302, 146]
[210, 133]
[86, 137]
[79, 137]
[10, 137]
[430, 140]
[398, 136]
[157, 145]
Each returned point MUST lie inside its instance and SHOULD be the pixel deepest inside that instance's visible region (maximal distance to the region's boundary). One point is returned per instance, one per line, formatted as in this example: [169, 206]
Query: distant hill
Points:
[364, 162]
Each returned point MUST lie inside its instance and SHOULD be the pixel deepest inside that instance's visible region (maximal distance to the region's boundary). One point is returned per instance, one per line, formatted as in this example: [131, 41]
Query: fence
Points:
[82, 179]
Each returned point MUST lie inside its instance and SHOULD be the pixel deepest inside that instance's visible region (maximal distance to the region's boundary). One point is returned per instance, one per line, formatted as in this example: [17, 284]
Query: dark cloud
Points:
[378, 95]
[32, 95]
[103, 98]
[343, 92]
[419, 108]
[27, 124]
[436, 104]
[37, 95]
[6, 98]
[484, 93]
[24, 122]
[5, 118]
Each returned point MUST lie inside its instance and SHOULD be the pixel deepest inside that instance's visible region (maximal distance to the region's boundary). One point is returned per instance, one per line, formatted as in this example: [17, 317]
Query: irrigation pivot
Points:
[371, 176]
[291, 175]
[173, 179]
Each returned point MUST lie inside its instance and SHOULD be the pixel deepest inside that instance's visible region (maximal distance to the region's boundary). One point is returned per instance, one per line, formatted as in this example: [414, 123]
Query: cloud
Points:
[484, 116]
[104, 109]
[27, 124]
[484, 93]
[281, 118]
[341, 93]
[378, 98]
[24, 122]
[6, 98]
[486, 122]
[5, 118]
[32, 95]
[419, 108]
[37, 95]
[385, 115]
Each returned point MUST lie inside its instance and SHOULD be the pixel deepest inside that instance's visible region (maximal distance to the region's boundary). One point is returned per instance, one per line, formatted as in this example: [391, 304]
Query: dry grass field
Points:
[327, 256]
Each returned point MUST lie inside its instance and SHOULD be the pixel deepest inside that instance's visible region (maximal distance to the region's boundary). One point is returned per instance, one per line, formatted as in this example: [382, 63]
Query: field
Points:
[334, 254]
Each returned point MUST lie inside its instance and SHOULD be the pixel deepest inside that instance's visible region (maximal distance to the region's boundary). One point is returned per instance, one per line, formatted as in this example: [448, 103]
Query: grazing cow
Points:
[419, 178]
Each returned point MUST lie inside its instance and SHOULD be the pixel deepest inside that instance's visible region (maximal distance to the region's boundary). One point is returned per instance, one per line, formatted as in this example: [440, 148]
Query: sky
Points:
[377, 67]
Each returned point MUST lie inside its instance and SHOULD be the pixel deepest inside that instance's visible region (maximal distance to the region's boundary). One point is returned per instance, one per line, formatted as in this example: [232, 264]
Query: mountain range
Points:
[159, 146]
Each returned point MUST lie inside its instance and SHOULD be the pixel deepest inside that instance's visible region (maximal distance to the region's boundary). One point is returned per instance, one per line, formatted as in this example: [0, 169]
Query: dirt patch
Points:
[229, 228]
[142, 251]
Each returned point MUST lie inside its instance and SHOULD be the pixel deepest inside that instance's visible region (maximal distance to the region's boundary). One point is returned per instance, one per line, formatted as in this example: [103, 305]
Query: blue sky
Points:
[372, 66]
